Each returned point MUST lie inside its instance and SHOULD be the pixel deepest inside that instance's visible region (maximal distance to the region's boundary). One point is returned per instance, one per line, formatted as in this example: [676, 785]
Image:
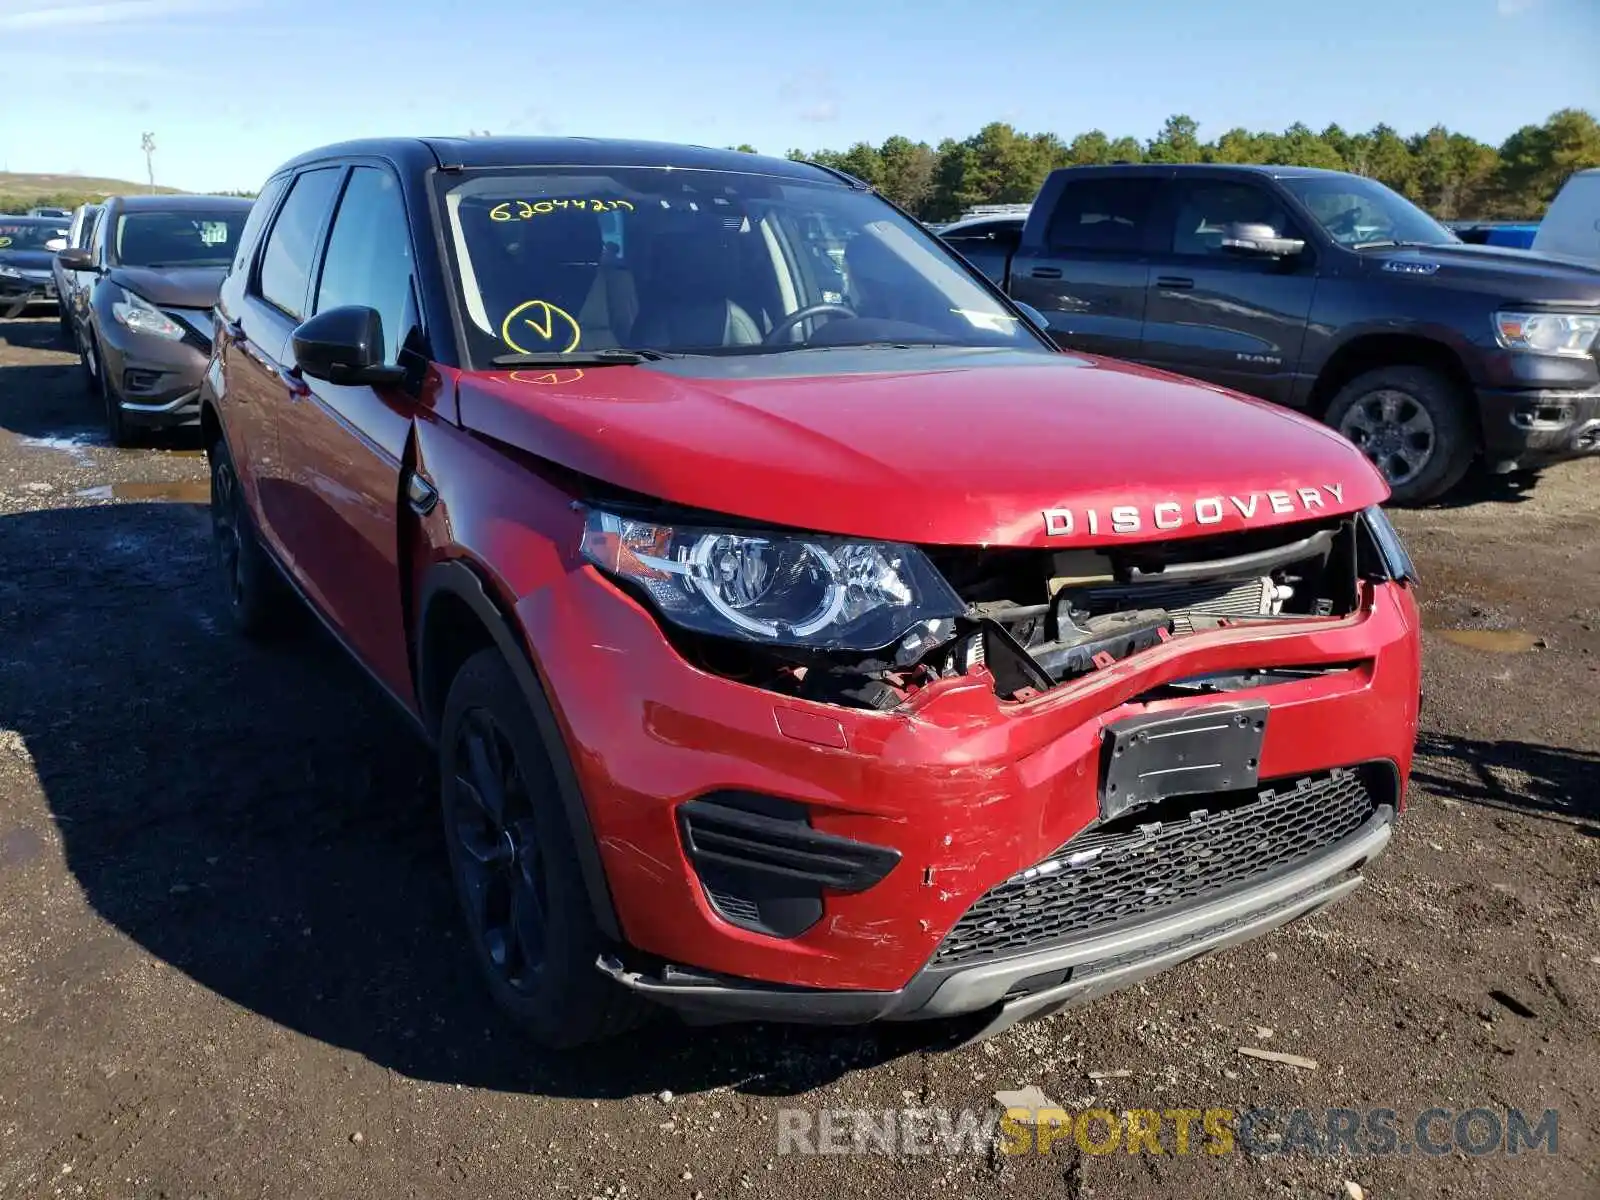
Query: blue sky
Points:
[231, 88]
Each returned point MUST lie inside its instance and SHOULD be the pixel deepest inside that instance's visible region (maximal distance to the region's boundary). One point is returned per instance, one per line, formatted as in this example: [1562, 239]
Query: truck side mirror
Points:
[1258, 241]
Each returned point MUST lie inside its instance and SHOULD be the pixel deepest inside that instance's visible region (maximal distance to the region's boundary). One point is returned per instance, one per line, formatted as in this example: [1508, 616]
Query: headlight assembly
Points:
[1571, 334]
[790, 589]
[140, 316]
[9, 272]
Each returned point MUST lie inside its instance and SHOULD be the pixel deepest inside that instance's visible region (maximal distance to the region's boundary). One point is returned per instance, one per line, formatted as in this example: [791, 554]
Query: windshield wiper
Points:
[582, 358]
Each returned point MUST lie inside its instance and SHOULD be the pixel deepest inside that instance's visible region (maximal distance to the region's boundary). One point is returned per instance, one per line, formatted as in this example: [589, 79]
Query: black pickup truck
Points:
[1320, 290]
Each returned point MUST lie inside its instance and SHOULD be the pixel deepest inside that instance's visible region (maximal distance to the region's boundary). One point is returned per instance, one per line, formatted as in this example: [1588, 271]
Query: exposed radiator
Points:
[1246, 598]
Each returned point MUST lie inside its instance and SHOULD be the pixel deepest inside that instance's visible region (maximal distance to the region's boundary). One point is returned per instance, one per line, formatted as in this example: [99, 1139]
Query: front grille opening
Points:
[1043, 617]
[1183, 851]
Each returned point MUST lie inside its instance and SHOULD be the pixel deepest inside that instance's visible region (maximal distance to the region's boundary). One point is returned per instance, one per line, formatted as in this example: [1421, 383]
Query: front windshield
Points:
[179, 239]
[1360, 212]
[42, 234]
[564, 260]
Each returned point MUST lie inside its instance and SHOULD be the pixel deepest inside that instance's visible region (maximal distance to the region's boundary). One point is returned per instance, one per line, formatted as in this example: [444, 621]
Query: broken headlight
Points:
[792, 589]
[1387, 538]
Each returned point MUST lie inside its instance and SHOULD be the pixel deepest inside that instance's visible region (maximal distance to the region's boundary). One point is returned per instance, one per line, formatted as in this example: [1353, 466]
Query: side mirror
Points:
[1259, 241]
[345, 346]
[1033, 314]
[76, 258]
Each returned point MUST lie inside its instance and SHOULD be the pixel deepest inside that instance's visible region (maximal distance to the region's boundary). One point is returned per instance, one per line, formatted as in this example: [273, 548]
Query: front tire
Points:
[1412, 422]
[118, 431]
[531, 929]
[254, 594]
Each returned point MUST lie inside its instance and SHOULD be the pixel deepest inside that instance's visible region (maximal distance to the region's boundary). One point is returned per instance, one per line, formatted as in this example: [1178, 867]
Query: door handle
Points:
[1046, 272]
[1177, 283]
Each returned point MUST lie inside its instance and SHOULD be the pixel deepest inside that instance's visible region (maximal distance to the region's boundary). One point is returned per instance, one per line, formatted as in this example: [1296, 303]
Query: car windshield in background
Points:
[42, 234]
[1363, 212]
[561, 261]
[178, 239]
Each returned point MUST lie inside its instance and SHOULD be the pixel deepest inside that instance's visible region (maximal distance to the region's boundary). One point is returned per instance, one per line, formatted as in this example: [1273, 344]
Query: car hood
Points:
[935, 446]
[176, 287]
[28, 260]
[1513, 273]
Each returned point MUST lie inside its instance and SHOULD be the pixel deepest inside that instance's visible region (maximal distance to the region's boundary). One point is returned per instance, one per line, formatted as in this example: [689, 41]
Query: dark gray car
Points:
[27, 252]
[145, 332]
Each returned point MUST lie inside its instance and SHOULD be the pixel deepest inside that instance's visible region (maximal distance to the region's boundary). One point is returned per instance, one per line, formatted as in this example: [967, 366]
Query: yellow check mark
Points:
[549, 321]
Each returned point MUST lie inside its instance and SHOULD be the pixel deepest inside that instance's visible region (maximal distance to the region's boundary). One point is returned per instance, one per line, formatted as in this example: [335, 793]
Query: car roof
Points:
[176, 202]
[986, 219]
[423, 153]
[1272, 170]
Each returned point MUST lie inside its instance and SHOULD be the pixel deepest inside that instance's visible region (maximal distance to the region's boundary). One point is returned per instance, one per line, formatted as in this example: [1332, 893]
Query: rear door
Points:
[260, 381]
[344, 446]
[1217, 315]
[1089, 269]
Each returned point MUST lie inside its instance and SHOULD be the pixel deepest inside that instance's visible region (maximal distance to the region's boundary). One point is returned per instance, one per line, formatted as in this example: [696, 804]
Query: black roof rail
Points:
[859, 185]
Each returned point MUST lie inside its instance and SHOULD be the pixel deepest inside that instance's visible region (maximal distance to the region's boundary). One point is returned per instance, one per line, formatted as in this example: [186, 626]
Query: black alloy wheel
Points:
[529, 918]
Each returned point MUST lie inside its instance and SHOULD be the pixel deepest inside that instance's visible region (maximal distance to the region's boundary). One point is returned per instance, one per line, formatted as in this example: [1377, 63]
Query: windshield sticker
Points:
[548, 378]
[543, 324]
[522, 210]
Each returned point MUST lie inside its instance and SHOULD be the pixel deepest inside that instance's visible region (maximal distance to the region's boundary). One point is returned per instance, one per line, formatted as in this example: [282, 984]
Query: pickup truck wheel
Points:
[250, 584]
[1412, 423]
[532, 932]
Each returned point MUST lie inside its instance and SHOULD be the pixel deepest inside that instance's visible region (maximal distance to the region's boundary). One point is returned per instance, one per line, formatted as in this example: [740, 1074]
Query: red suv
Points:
[802, 635]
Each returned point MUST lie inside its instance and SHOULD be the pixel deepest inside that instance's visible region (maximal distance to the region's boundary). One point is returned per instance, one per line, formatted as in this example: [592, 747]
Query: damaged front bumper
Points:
[1040, 982]
[861, 843]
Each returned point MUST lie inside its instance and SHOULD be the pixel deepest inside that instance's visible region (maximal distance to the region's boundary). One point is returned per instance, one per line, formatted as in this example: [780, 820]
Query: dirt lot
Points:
[229, 963]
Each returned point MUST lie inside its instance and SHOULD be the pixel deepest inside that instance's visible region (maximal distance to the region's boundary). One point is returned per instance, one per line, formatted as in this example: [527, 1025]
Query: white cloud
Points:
[46, 66]
[810, 96]
[1513, 8]
[117, 12]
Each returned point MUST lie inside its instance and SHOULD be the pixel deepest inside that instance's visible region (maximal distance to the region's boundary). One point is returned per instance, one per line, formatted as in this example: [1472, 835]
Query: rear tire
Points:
[530, 925]
[256, 597]
[1413, 423]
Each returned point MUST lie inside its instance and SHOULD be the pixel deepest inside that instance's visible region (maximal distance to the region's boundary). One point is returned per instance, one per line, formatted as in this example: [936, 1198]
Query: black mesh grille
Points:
[1188, 849]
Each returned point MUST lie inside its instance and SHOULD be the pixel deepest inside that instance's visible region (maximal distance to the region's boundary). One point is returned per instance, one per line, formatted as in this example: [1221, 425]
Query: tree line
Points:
[1452, 175]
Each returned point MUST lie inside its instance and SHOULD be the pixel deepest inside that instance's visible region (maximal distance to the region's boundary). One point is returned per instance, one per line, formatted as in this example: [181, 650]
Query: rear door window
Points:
[285, 276]
[1105, 215]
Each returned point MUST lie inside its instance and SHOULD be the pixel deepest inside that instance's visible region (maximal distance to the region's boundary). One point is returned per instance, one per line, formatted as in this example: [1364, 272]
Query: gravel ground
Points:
[229, 963]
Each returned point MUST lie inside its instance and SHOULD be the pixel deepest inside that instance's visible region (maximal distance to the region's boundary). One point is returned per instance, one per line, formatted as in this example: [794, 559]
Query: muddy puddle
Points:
[1495, 641]
[181, 492]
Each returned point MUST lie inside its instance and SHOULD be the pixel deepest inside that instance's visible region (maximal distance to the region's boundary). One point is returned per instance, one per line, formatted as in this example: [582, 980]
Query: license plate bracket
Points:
[1212, 749]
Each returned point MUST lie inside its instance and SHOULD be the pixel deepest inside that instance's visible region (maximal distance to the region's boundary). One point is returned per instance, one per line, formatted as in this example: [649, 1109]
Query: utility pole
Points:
[147, 143]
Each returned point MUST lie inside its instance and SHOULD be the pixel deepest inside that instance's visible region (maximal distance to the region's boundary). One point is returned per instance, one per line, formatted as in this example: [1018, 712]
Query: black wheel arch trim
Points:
[463, 583]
